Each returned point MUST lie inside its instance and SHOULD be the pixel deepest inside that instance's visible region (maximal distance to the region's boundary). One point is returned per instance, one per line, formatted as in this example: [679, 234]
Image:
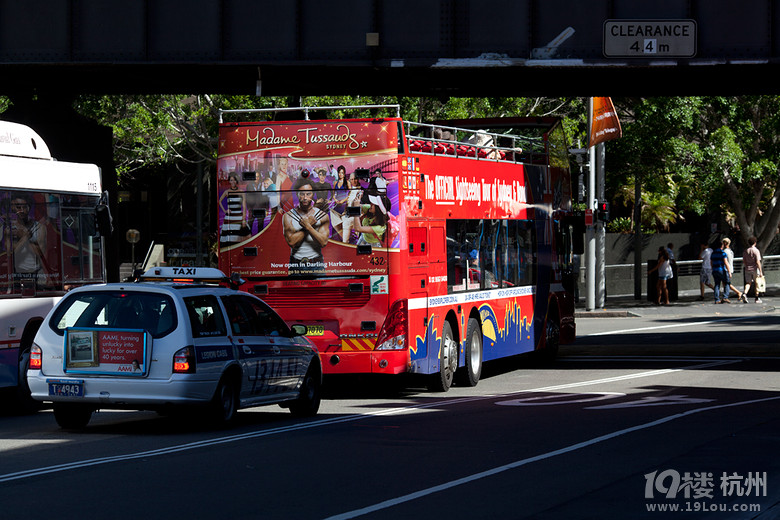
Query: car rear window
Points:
[153, 312]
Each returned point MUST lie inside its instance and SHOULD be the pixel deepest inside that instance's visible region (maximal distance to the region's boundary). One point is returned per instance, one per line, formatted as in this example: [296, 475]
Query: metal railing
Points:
[619, 278]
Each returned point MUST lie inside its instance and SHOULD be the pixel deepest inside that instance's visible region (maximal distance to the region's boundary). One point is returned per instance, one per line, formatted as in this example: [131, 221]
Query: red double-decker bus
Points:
[405, 248]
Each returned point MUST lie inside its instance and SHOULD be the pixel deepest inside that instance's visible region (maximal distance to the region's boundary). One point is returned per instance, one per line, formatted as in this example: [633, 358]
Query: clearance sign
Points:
[649, 38]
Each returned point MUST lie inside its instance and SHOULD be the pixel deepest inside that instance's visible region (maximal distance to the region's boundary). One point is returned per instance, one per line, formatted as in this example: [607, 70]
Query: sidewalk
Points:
[687, 304]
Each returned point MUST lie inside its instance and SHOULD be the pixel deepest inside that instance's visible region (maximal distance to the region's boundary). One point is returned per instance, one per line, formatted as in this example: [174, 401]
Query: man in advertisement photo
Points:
[306, 230]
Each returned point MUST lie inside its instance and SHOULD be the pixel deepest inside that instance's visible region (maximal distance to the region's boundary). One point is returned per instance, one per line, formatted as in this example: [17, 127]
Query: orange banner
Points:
[605, 124]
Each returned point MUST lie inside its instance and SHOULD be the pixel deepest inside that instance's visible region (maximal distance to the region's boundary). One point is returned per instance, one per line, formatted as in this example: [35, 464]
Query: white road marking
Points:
[500, 469]
[557, 399]
[19, 475]
[659, 327]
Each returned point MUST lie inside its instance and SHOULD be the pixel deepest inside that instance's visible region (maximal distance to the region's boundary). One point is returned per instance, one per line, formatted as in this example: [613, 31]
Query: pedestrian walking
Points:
[705, 276]
[720, 273]
[751, 263]
[730, 255]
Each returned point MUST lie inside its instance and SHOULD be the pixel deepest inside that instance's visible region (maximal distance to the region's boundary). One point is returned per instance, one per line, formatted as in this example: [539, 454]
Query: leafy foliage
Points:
[165, 129]
[704, 155]
[697, 155]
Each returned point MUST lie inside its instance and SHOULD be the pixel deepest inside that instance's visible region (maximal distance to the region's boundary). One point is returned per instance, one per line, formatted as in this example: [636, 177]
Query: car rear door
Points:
[213, 347]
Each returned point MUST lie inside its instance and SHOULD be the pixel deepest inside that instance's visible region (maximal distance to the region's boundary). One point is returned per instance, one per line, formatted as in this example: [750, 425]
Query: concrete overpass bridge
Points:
[406, 47]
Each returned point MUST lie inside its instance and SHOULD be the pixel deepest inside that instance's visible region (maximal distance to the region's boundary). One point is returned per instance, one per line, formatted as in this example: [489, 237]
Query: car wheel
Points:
[72, 416]
[469, 375]
[441, 381]
[308, 403]
[224, 405]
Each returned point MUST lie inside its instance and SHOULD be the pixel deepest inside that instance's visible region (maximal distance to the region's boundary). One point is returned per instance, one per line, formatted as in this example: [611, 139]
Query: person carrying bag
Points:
[754, 272]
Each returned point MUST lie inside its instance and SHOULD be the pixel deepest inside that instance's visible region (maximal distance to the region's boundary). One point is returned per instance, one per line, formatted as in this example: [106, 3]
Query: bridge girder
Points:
[411, 47]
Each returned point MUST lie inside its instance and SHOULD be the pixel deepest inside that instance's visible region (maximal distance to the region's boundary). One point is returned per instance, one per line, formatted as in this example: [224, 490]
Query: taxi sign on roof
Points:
[189, 273]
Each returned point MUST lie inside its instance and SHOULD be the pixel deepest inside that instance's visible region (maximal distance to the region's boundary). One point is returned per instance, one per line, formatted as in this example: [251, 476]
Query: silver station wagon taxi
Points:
[174, 338]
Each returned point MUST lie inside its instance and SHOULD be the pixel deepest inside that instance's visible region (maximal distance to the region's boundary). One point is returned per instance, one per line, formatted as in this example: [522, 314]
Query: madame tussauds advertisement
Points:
[307, 198]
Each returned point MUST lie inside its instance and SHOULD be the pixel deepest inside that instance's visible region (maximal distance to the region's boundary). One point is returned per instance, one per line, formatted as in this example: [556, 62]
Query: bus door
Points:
[433, 268]
[419, 246]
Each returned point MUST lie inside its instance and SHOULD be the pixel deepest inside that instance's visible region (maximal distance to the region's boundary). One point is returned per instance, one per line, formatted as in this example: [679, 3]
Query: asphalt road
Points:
[641, 414]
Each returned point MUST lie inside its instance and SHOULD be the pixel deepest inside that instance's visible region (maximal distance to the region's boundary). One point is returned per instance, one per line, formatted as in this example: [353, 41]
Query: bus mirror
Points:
[353, 211]
[103, 220]
[362, 173]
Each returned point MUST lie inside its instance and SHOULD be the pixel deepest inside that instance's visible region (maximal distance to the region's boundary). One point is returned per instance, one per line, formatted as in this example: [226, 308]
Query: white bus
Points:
[48, 243]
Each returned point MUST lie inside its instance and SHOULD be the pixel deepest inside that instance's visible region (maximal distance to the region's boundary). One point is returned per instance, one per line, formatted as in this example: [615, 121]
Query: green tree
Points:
[654, 149]
[702, 154]
[164, 129]
[741, 160]
[182, 129]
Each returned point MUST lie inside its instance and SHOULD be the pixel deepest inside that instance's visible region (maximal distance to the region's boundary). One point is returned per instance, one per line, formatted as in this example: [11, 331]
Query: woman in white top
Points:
[664, 268]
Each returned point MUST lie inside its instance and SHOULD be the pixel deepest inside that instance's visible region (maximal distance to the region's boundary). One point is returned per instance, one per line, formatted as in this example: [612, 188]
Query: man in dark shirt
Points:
[720, 273]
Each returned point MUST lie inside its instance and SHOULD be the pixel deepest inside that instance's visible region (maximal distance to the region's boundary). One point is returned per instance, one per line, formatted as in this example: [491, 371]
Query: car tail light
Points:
[392, 336]
[36, 357]
[184, 361]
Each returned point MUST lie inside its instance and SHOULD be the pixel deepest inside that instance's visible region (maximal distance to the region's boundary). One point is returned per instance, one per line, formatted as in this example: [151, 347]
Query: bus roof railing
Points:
[460, 142]
[306, 110]
[440, 139]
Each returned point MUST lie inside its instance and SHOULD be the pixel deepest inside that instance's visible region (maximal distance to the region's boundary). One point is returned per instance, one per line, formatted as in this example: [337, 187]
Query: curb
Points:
[603, 313]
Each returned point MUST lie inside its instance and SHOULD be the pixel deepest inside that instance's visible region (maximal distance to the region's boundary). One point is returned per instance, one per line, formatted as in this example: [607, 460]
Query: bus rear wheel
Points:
[552, 339]
[441, 381]
[469, 375]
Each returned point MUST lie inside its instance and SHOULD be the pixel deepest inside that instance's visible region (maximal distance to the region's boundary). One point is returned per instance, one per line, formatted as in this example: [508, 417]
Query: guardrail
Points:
[620, 277]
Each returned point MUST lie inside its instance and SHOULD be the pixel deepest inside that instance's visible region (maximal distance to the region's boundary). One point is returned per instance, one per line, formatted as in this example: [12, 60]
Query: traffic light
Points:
[602, 211]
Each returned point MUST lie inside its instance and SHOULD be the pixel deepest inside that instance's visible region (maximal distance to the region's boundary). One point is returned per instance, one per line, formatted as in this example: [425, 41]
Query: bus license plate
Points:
[66, 388]
[315, 330]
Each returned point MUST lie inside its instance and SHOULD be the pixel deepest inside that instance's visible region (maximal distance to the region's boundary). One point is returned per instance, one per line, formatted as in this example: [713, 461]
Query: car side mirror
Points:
[298, 329]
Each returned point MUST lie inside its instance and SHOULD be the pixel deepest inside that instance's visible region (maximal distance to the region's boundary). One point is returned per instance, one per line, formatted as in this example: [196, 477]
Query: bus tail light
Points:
[36, 357]
[394, 330]
[184, 361]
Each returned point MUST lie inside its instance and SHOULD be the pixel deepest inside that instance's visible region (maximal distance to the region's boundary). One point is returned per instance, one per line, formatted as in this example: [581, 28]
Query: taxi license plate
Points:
[66, 388]
[315, 330]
